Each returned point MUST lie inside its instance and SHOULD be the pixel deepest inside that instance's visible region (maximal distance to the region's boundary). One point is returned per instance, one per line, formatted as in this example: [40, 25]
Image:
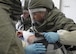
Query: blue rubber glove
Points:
[51, 37]
[36, 48]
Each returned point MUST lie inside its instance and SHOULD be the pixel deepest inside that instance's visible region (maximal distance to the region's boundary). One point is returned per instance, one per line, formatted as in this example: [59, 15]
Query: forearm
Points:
[67, 38]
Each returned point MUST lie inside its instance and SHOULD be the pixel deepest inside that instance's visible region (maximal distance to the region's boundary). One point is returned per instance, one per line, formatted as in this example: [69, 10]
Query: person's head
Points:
[25, 14]
[39, 8]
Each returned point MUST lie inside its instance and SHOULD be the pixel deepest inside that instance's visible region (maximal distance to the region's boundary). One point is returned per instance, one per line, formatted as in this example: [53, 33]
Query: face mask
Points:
[38, 14]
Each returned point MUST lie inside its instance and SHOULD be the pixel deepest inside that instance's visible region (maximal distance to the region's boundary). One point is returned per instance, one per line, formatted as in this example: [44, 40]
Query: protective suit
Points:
[9, 42]
[56, 21]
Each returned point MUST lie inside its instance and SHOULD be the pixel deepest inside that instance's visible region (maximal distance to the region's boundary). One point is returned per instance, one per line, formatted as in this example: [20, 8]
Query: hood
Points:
[40, 3]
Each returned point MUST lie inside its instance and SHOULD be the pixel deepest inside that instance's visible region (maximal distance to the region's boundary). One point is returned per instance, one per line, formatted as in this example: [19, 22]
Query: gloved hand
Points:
[35, 48]
[51, 37]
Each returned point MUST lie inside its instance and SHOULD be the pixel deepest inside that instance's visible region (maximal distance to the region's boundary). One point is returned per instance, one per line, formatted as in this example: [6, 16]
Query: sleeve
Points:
[62, 22]
[66, 28]
[9, 43]
[67, 37]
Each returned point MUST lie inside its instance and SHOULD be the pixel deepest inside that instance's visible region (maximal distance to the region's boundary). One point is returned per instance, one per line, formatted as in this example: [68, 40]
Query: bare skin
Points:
[31, 39]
